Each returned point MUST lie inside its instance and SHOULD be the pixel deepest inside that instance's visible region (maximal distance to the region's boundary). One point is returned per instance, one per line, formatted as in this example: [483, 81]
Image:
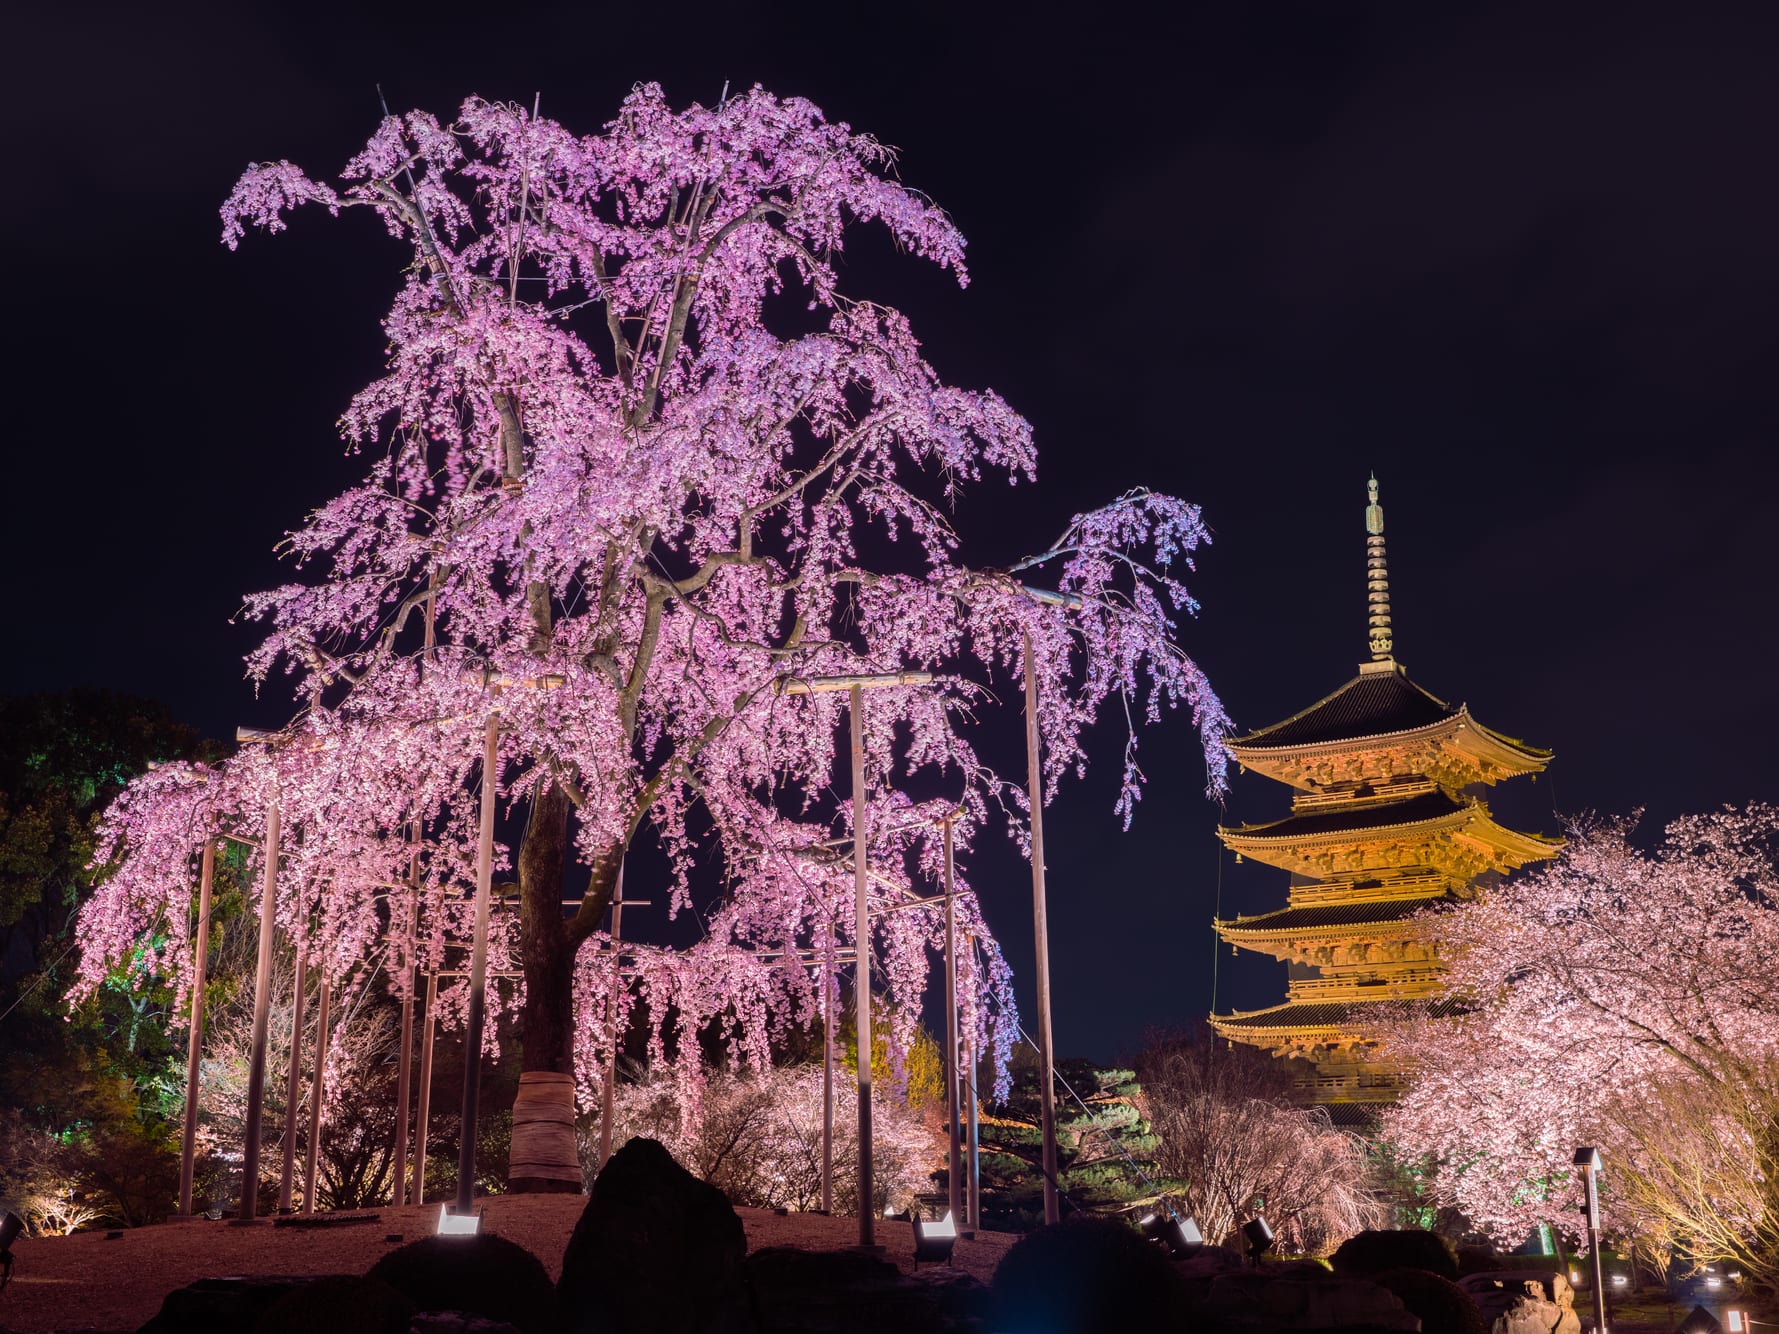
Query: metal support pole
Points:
[954, 1164]
[404, 1068]
[830, 993]
[317, 1087]
[194, 1049]
[1041, 941]
[424, 1111]
[862, 969]
[294, 1081]
[478, 975]
[262, 1013]
[607, 1097]
[973, 1210]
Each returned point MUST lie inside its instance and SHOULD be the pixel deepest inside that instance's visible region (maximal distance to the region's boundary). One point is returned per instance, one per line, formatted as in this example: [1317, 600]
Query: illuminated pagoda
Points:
[1384, 821]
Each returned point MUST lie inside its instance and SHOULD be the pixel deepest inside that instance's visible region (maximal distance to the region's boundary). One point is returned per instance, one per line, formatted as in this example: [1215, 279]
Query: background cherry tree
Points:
[635, 463]
[1619, 997]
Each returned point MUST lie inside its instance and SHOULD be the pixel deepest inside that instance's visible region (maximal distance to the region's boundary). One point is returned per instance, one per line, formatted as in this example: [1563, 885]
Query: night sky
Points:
[1522, 264]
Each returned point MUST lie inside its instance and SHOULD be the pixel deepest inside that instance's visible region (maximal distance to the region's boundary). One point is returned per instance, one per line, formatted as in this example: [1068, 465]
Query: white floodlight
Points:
[933, 1241]
[458, 1225]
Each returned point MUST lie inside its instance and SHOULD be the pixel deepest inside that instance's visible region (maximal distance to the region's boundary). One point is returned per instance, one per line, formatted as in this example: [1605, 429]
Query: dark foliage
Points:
[1087, 1276]
[483, 1275]
[1442, 1306]
[1374, 1252]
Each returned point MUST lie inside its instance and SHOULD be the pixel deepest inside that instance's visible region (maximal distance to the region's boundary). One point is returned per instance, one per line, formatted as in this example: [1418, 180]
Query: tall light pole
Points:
[405, 1063]
[294, 1082]
[262, 1013]
[1588, 1160]
[195, 1038]
[1041, 932]
[317, 1087]
[423, 1109]
[855, 686]
[478, 976]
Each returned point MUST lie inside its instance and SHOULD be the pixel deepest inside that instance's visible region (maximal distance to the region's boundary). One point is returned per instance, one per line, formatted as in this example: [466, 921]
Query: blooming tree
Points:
[637, 464]
[1622, 998]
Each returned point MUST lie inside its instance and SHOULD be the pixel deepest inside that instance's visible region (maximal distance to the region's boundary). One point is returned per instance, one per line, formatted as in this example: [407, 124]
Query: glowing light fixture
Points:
[458, 1225]
[1736, 1322]
[1259, 1234]
[933, 1242]
[1180, 1235]
[10, 1227]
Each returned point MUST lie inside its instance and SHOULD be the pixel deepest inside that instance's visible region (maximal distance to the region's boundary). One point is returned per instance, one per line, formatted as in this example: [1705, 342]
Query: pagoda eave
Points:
[1461, 844]
[1456, 750]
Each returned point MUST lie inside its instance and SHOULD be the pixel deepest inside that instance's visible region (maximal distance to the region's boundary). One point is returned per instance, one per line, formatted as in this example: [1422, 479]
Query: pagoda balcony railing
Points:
[1409, 982]
[1353, 1088]
[1373, 888]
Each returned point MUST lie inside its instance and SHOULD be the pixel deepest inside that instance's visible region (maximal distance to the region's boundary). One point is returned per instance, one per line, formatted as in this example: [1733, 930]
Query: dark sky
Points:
[1521, 263]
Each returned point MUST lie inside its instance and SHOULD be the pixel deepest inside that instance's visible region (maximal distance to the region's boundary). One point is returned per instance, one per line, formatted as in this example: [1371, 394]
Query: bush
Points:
[1483, 1260]
[1373, 1252]
[1088, 1276]
[482, 1275]
[1443, 1307]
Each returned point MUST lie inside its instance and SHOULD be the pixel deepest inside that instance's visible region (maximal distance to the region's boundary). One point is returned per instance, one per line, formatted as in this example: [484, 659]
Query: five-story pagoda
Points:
[1384, 821]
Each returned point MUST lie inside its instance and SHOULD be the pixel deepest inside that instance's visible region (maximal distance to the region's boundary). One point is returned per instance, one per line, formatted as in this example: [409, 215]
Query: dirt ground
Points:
[88, 1282]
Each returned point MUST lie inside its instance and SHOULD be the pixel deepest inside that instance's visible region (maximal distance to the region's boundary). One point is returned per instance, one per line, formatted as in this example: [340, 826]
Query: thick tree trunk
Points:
[544, 1155]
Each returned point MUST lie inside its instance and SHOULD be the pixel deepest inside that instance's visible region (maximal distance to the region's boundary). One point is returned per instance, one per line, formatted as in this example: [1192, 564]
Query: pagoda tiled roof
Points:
[1371, 704]
[1330, 914]
[1320, 1014]
[1424, 806]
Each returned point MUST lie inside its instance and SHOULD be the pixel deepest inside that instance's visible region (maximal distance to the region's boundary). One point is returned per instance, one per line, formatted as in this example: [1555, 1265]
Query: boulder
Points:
[482, 1275]
[362, 1305]
[1088, 1276]
[1374, 1251]
[656, 1251]
[1524, 1301]
[456, 1322]
[1258, 1300]
[846, 1292]
[224, 1305]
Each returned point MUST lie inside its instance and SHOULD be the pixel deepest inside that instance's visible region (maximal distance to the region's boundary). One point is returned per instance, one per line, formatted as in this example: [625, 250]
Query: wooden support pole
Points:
[608, 1089]
[973, 1205]
[262, 1013]
[294, 1082]
[862, 967]
[954, 1164]
[478, 980]
[194, 1045]
[1041, 942]
[424, 1111]
[830, 994]
[404, 1067]
[317, 1087]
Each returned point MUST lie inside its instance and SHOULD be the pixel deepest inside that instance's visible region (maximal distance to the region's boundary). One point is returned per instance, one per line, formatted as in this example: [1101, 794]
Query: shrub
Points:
[1483, 1260]
[1088, 1276]
[1373, 1252]
[482, 1275]
[1443, 1307]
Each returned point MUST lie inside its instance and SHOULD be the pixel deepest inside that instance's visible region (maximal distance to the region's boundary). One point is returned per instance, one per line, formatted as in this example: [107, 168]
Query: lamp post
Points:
[405, 1063]
[423, 1110]
[295, 1080]
[1041, 934]
[954, 1164]
[1588, 1160]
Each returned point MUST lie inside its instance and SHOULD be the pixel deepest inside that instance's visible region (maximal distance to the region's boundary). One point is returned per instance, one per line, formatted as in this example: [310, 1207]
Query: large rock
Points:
[225, 1305]
[1088, 1276]
[1257, 1300]
[362, 1305]
[845, 1292]
[656, 1251]
[1524, 1301]
[481, 1275]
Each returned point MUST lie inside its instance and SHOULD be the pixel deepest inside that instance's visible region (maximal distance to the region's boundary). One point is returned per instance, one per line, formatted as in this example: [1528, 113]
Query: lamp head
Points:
[1259, 1234]
[10, 1227]
[1588, 1159]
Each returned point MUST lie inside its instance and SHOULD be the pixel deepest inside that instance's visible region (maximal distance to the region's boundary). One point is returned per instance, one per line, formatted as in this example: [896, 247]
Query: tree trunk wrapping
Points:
[544, 1156]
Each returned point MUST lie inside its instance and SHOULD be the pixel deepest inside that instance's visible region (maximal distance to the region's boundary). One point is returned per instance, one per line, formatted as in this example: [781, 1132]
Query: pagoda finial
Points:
[1377, 578]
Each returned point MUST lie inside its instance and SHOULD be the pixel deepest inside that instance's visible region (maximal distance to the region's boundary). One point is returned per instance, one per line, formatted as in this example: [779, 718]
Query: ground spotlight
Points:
[1700, 1321]
[1179, 1234]
[1736, 1322]
[1259, 1235]
[933, 1241]
[458, 1225]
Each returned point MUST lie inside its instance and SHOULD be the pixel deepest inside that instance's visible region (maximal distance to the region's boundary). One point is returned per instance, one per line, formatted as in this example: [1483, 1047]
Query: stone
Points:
[845, 1292]
[1089, 1276]
[656, 1251]
[482, 1275]
[228, 1305]
[1524, 1301]
[1258, 1300]
[362, 1305]
[457, 1322]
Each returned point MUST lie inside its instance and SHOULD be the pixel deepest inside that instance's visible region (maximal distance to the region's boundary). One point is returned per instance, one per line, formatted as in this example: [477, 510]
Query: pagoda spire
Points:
[1377, 578]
